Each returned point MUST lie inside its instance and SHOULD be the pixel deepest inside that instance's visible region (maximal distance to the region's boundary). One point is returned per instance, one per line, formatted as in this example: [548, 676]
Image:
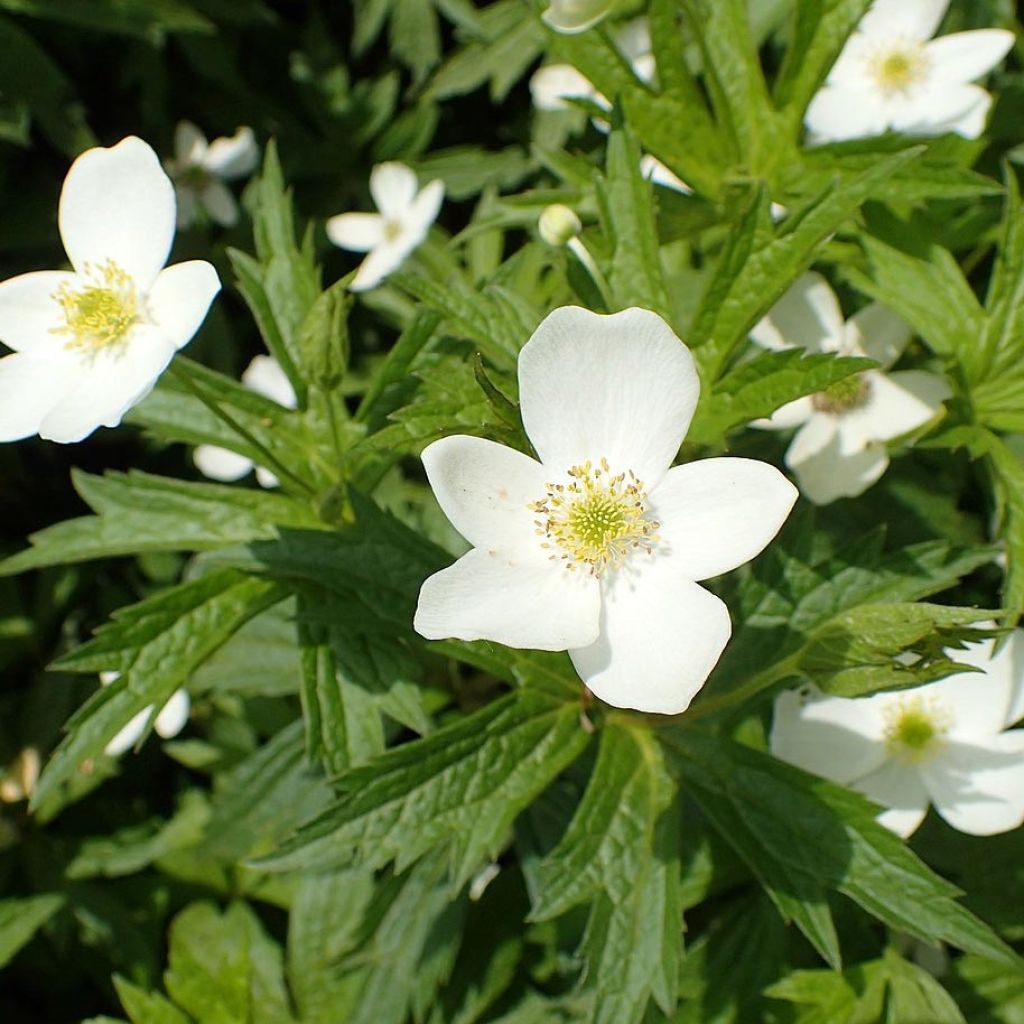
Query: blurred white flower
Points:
[389, 236]
[596, 548]
[264, 376]
[200, 168]
[839, 450]
[571, 16]
[169, 722]
[90, 343]
[943, 743]
[889, 75]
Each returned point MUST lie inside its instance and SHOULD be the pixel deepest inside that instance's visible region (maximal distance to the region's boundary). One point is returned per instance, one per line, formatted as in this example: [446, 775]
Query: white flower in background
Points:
[839, 450]
[596, 548]
[571, 16]
[389, 236]
[169, 722]
[943, 743]
[200, 168]
[892, 74]
[90, 342]
[264, 376]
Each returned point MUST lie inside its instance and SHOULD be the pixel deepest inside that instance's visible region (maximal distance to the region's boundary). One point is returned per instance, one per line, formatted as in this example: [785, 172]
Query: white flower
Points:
[943, 743]
[571, 16]
[264, 376]
[89, 343]
[889, 75]
[596, 548]
[169, 722]
[389, 236]
[839, 450]
[200, 168]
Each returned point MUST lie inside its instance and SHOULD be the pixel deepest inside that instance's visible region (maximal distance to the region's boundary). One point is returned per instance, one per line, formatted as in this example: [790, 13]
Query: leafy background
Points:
[316, 847]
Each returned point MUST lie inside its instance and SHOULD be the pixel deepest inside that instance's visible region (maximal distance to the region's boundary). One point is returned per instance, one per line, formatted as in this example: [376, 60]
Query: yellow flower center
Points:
[392, 230]
[897, 69]
[915, 729]
[596, 519]
[102, 312]
[844, 396]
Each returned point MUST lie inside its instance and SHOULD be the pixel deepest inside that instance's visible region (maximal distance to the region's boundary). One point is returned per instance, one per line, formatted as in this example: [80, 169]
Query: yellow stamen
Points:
[102, 312]
[899, 68]
[844, 396]
[914, 729]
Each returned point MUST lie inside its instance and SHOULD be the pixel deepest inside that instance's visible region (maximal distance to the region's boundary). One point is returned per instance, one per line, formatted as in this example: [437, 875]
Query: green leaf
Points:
[147, 1007]
[1010, 473]
[148, 19]
[915, 996]
[459, 788]
[21, 918]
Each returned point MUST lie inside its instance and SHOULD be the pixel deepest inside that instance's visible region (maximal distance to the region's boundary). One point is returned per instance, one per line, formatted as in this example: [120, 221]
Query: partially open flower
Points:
[90, 343]
[597, 547]
[388, 236]
[168, 723]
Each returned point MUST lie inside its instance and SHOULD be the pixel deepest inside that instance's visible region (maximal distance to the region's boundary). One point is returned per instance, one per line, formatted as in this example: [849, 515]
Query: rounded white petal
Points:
[234, 156]
[660, 638]
[787, 416]
[572, 16]
[899, 787]
[383, 260]
[717, 514]
[173, 715]
[108, 384]
[840, 112]
[633, 39]
[1010, 659]
[980, 789]
[485, 490]
[30, 387]
[825, 473]
[553, 84]
[833, 737]
[494, 595]
[219, 203]
[180, 299]
[357, 232]
[265, 376]
[621, 387]
[807, 316]
[422, 213]
[130, 734]
[878, 333]
[898, 403]
[393, 187]
[118, 204]
[931, 109]
[266, 479]
[189, 145]
[965, 56]
[816, 436]
[220, 464]
[29, 312]
[914, 19]
[971, 123]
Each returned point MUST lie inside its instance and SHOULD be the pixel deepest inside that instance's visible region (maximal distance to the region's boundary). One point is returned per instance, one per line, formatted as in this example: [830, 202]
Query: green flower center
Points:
[914, 729]
[844, 396]
[392, 230]
[100, 314]
[596, 519]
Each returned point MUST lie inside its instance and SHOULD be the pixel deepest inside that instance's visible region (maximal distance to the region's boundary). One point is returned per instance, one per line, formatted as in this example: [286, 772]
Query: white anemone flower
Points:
[596, 546]
[840, 449]
[200, 168]
[892, 74]
[388, 236]
[89, 343]
[943, 743]
[168, 723]
[264, 376]
[572, 16]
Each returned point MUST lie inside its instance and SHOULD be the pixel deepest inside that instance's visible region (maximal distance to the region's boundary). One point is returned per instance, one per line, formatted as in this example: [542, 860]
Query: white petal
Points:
[840, 112]
[807, 316]
[485, 490]
[173, 715]
[826, 474]
[633, 39]
[108, 385]
[109, 676]
[898, 787]
[266, 479]
[814, 437]
[265, 376]
[965, 56]
[572, 16]
[393, 187]
[553, 84]
[927, 111]
[492, 595]
[1010, 659]
[29, 388]
[971, 123]
[180, 299]
[129, 735]
[233, 157]
[787, 416]
[717, 514]
[220, 464]
[219, 203]
[899, 402]
[878, 333]
[833, 737]
[654, 170]
[383, 260]
[621, 387]
[357, 232]
[422, 213]
[118, 204]
[980, 789]
[189, 145]
[29, 312]
[660, 638]
[914, 19]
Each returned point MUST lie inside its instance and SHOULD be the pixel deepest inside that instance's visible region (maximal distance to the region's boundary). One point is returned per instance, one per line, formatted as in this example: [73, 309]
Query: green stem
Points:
[266, 457]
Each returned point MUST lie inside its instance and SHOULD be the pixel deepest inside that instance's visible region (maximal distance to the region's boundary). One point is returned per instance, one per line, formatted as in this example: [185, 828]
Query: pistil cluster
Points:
[843, 396]
[101, 313]
[915, 729]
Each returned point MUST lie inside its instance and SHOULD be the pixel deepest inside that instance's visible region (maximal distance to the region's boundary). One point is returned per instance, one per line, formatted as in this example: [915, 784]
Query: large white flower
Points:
[200, 168]
[168, 723]
[572, 16]
[943, 743]
[89, 343]
[839, 450]
[889, 75]
[264, 376]
[596, 547]
[389, 236]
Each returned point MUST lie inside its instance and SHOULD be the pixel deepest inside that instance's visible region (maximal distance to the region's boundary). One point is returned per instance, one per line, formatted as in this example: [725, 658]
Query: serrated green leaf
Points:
[915, 997]
[21, 918]
[145, 1007]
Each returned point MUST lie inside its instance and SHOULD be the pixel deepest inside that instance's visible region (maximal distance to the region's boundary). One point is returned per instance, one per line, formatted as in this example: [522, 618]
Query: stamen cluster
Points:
[843, 396]
[915, 729]
[897, 69]
[101, 313]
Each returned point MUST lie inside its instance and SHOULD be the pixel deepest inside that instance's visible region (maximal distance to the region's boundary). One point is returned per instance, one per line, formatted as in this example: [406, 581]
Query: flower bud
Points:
[571, 16]
[558, 224]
